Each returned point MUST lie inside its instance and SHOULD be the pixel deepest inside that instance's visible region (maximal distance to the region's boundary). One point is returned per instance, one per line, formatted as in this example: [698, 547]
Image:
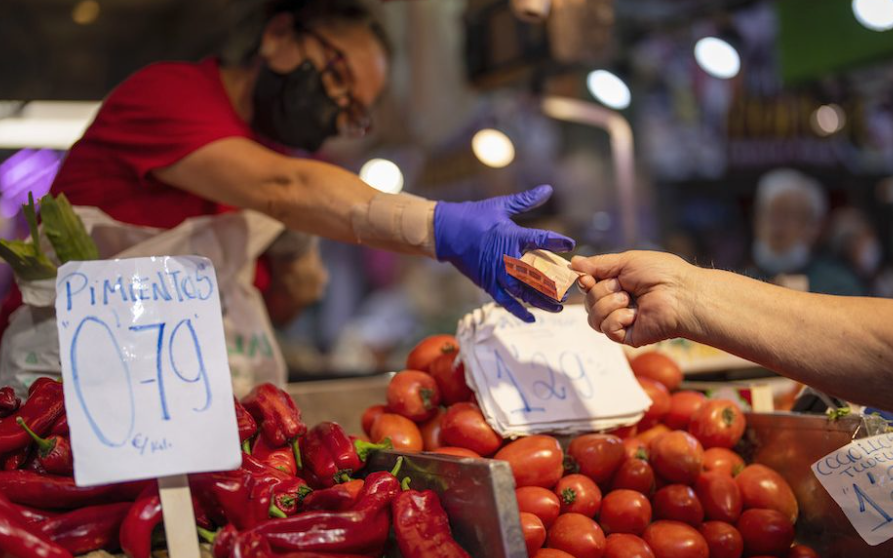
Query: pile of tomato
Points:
[670, 486]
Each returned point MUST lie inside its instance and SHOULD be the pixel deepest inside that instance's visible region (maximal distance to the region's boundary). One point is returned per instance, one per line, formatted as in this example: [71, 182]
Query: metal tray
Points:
[790, 443]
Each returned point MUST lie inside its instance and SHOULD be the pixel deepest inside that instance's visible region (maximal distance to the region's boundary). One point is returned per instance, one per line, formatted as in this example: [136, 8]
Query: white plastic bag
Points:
[233, 241]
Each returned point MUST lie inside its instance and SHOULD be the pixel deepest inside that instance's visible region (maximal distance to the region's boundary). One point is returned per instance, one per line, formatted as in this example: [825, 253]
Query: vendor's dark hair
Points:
[243, 40]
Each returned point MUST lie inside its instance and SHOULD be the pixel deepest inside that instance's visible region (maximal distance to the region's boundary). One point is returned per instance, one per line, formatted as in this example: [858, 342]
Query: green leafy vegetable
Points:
[65, 231]
[27, 258]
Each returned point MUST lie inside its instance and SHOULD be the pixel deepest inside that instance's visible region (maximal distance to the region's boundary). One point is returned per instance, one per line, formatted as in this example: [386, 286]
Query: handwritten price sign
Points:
[859, 476]
[144, 366]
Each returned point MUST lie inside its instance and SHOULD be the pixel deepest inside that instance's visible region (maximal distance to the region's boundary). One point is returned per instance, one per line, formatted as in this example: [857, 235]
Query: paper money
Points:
[545, 271]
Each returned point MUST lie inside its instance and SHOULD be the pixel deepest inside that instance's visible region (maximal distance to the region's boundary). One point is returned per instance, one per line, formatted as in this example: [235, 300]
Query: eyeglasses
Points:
[338, 81]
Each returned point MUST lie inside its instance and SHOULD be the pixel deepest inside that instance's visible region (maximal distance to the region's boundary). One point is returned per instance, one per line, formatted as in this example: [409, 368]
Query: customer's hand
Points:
[638, 298]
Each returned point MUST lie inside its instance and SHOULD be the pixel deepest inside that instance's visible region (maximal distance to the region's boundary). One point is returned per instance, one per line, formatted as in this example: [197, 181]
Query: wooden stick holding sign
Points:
[147, 387]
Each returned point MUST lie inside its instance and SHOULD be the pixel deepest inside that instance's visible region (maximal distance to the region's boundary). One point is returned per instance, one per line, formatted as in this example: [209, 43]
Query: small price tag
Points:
[859, 476]
[555, 375]
[144, 366]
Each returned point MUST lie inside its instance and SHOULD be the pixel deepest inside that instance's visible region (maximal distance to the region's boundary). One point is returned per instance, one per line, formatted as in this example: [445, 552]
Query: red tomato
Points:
[634, 474]
[428, 349]
[802, 551]
[539, 501]
[635, 448]
[683, 404]
[578, 494]
[660, 402]
[534, 532]
[623, 545]
[761, 487]
[678, 503]
[450, 378]
[652, 434]
[464, 426]
[578, 535]
[597, 455]
[673, 539]
[625, 511]
[718, 424]
[535, 460]
[430, 430]
[723, 540]
[403, 433]
[677, 457]
[658, 367]
[625, 432]
[720, 496]
[765, 532]
[369, 416]
[552, 553]
[722, 460]
[457, 452]
[414, 395]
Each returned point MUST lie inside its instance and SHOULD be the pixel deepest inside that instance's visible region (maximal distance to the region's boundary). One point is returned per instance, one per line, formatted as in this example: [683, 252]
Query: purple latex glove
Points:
[473, 236]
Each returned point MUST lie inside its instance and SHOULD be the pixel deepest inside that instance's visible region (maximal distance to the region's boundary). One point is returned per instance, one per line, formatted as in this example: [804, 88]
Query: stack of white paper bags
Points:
[556, 375]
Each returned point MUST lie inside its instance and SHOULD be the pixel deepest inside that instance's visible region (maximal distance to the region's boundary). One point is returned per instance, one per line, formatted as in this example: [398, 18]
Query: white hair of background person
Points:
[784, 181]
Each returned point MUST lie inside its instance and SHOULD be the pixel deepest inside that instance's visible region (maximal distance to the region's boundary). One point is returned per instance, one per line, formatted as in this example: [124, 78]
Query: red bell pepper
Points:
[224, 541]
[337, 498]
[363, 529]
[52, 491]
[9, 403]
[87, 529]
[247, 425]
[277, 415]
[137, 527]
[422, 527]
[282, 459]
[330, 456]
[17, 459]
[245, 498]
[60, 427]
[54, 453]
[34, 516]
[21, 540]
[44, 406]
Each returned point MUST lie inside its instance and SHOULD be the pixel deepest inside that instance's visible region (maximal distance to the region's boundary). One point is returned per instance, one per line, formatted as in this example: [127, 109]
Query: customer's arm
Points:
[842, 345]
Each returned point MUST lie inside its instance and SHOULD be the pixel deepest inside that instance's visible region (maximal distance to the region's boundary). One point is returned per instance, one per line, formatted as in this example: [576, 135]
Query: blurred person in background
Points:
[854, 240]
[790, 210]
[177, 140]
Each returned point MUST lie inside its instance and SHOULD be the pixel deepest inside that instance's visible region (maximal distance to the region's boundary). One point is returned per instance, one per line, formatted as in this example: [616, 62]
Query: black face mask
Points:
[294, 109]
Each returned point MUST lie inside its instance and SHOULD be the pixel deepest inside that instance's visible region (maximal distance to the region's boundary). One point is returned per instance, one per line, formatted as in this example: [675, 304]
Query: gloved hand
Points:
[473, 236]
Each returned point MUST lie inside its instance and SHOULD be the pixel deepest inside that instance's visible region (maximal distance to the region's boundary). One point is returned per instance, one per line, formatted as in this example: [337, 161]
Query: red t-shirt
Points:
[153, 119]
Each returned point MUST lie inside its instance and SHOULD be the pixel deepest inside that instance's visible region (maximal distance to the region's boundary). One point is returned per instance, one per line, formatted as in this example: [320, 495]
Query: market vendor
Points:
[838, 344]
[177, 140]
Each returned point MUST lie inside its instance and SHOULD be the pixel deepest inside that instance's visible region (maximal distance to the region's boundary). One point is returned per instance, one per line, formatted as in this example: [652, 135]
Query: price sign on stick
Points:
[147, 386]
[859, 476]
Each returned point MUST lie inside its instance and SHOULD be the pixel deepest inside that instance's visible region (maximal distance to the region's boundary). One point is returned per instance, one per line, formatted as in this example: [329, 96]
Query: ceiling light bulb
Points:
[609, 89]
[717, 57]
[828, 119]
[876, 15]
[383, 175]
[493, 148]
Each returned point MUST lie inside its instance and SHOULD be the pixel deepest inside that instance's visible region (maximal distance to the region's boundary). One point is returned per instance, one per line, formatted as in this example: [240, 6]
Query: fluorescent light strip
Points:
[46, 124]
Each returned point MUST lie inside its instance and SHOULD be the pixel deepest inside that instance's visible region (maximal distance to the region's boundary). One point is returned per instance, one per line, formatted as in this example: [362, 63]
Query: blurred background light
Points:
[609, 89]
[876, 15]
[717, 57]
[383, 175]
[46, 124]
[85, 12]
[493, 148]
[828, 119]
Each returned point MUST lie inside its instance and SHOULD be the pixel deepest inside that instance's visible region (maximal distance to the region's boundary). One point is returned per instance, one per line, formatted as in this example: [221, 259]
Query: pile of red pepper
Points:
[297, 493]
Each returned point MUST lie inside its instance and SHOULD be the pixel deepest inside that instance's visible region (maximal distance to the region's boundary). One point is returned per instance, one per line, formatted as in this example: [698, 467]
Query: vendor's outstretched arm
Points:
[326, 200]
[842, 345]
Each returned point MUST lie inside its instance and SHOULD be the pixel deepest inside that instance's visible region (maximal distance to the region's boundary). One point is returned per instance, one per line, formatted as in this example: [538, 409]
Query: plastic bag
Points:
[232, 241]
